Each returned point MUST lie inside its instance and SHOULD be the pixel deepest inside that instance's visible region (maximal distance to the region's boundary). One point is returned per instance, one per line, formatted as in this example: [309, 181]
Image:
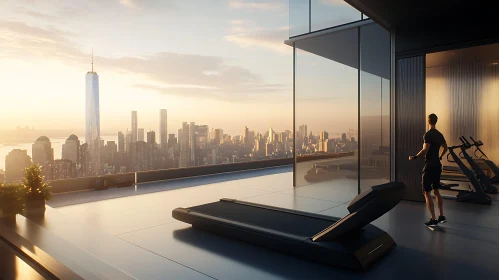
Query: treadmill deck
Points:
[288, 231]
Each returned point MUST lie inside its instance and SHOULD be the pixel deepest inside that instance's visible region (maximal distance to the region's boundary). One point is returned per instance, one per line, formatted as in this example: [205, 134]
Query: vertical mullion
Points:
[393, 108]
[309, 16]
[358, 109]
[294, 116]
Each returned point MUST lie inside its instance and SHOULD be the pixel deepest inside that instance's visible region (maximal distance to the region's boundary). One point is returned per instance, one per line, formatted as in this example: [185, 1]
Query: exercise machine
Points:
[480, 175]
[477, 194]
[349, 242]
[493, 170]
[454, 173]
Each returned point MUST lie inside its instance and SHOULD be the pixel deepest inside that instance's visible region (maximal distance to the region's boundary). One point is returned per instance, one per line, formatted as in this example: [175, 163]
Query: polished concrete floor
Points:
[133, 231]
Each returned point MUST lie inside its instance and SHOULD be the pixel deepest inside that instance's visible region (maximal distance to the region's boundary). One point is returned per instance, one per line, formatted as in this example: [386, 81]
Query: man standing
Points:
[433, 141]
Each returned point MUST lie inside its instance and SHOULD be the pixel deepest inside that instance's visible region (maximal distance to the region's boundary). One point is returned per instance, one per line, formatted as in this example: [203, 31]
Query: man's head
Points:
[432, 119]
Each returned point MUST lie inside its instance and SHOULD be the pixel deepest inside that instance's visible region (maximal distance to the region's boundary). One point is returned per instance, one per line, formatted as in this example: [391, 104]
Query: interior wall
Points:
[463, 91]
[410, 123]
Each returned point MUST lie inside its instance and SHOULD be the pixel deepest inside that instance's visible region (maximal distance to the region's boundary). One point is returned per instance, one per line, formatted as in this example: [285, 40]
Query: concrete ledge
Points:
[128, 179]
[177, 173]
[38, 259]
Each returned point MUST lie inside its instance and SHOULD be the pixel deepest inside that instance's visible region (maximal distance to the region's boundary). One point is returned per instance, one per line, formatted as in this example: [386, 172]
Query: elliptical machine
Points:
[477, 196]
[484, 180]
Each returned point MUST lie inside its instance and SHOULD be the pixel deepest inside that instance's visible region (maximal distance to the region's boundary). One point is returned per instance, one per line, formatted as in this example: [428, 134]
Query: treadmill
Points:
[480, 175]
[477, 194]
[454, 173]
[348, 242]
[482, 158]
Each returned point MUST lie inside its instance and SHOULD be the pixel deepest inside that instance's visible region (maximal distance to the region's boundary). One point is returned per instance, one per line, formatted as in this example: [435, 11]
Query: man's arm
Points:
[444, 150]
[426, 147]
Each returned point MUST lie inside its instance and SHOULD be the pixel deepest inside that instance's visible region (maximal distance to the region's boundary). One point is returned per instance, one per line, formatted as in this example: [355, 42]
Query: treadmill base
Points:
[357, 250]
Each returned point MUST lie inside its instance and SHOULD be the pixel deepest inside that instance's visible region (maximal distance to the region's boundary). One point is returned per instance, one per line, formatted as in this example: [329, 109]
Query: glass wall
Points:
[338, 103]
[307, 16]
[374, 106]
[329, 13]
[462, 89]
[326, 112]
[299, 17]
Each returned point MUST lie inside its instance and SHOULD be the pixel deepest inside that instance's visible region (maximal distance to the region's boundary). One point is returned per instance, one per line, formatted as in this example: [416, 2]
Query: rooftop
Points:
[131, 230]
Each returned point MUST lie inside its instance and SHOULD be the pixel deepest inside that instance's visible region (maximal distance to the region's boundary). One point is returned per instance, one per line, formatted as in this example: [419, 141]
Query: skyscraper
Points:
[15, 163]
[42, 151]
[121, 142]
[128, 141]
[134, 127]
[71, 149]
[343, 137]
[323, 141]
[140, 136]
[246, 137]
[163, 131]
[151, 137]
[218, 135]
[202, 132]
[192, 141]
[60, 169]
[92, 117]
[172, 140]
[184, 145]
[271, 136]
[302, 130]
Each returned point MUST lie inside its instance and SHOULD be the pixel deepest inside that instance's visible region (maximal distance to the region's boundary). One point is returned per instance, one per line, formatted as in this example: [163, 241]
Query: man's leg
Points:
[426, 182]
[438, 197]
[440, 202]
[429, 203]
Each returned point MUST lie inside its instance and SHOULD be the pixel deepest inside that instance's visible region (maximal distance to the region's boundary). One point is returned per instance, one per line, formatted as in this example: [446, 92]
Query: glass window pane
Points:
[299, 13]
[329, 13]
[374, 106]
[326, 118]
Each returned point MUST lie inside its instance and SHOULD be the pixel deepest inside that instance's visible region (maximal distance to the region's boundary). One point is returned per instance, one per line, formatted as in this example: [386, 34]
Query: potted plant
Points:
[37, 191]
[11, 201]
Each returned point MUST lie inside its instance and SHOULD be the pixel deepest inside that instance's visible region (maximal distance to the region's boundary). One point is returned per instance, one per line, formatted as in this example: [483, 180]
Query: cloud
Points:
[248, 35]
[251, 5]
[166, 72]
[128, 4]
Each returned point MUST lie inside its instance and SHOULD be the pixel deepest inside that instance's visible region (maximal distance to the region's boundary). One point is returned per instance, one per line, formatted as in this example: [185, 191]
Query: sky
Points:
[217, 62]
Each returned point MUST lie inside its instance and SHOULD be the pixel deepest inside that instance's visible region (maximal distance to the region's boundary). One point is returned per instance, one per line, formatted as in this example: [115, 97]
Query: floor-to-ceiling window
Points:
[374, 106]
[326, 112]
[342, 110]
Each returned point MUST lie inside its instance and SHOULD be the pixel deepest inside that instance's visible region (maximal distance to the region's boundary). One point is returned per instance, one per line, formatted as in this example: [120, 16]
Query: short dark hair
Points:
[433, 119]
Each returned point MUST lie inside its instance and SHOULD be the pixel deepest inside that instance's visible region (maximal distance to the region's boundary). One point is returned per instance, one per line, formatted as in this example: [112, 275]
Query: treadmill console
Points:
[365, 208]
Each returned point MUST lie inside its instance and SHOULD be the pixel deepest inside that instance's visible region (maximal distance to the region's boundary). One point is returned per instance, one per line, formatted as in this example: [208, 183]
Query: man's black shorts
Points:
[431, 178]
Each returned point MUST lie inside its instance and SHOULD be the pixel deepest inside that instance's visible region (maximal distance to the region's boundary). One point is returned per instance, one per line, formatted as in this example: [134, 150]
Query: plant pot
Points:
[7, 219]
[35, 206]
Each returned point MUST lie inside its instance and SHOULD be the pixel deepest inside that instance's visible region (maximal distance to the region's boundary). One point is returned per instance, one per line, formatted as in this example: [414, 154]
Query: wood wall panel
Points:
[410, 123]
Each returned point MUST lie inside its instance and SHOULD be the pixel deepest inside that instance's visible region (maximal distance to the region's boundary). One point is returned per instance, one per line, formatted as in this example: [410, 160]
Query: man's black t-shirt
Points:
[436, 140]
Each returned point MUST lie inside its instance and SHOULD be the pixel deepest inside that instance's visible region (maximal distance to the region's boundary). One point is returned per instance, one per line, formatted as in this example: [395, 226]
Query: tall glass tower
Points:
[92, 116]
[163, 131]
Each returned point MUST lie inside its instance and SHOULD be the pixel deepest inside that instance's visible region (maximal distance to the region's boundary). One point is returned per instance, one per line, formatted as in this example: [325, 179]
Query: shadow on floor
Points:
[66, 199]
[401, 263]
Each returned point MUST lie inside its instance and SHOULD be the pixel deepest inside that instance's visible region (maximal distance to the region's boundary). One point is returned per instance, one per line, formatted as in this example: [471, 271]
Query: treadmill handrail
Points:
[477, 145]
[484, 179]
[471, 177]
